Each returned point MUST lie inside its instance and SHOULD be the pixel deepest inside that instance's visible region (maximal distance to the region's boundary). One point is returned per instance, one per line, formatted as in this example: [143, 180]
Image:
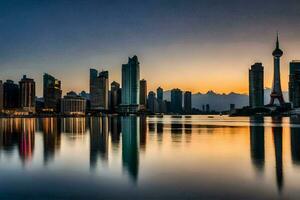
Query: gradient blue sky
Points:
[194, 45]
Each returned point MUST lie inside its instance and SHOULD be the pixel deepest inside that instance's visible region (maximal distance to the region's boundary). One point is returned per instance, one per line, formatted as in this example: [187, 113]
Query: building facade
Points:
[73, 104]
[27, 94]
[1, 97]
[130, 86]
[294, 84]
[99, 86]
[256, 85]
[52, 93]
[187, 102]
[176, 101]
[152, 103]
[115, 96]
[11, 95]
[143, 94]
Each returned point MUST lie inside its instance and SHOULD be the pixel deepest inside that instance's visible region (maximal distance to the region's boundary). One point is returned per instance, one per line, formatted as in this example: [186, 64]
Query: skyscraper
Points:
[10, 95]
[143, 94]
[294, 84]
[99, 85]
[256, 85]
[52, 93]
[131, 85]
[1, 96]
[276, 93]
[160, 94]
[115, 96]
[188, 102]
[176, 101]
[27, 94]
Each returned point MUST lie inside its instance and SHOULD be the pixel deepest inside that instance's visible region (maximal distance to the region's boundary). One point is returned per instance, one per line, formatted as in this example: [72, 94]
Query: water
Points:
[150, 158]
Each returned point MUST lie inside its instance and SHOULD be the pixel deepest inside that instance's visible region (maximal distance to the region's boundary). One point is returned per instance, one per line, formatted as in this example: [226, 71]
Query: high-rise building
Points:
[115, 96]
[10, 95]
[73, 104]
[143, 94]
[152, 102]
[256, 85]
[276, 93]
[294, 84]
[1, 96]
[27, 94]
[176, 101]
[99, 85]
[52, 93]
[131, 85]
[160, 94]
[188, 102]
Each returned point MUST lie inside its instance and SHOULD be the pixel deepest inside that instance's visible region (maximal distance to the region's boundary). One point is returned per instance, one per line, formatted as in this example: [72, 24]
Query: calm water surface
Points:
[150, 158]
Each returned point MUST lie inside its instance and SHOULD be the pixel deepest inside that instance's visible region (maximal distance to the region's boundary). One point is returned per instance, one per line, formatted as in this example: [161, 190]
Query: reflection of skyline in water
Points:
[98, 139]
[257, 142]
[130, 152]
[51, 128]
[277, 137]
[129, 136]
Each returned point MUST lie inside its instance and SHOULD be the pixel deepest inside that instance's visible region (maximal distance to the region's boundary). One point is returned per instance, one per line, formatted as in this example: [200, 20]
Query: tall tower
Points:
[276, 89]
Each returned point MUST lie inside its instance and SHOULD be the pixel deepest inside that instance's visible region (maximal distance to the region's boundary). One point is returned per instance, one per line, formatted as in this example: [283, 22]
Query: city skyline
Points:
[202, 45]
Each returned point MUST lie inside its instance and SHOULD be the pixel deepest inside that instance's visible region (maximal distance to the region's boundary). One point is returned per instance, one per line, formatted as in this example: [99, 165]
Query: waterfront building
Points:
[73, 104]
[1, 97]
[99, 85]
[176, 101]
[256, 85]
[10, 95]
[153, 106]
[276, 93]
[52, 93]
[160, 94]
[115, 96]
[188, 102]
[27, 94]
[143, 94]
[294, 84]
[130, 86]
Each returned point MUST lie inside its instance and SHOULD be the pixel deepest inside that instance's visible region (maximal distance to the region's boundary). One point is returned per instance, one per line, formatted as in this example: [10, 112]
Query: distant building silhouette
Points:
[188, 102]
[130, 86]
[11, 95]
[52, 93]
[160, 94]
[1, 97]
[294, 84]
[176, 101]
[27, 94]
[115, 96]
[152, 102]
[276, 93]
[99, 85]
[256, 85]
[73, 104]
[143, 94]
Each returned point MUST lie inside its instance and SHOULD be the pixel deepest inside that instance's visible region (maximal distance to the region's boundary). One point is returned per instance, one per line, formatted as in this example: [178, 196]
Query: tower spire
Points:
[277, 41]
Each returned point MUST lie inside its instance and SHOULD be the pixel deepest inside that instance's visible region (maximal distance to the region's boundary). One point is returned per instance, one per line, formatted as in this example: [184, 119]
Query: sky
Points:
[195, 45]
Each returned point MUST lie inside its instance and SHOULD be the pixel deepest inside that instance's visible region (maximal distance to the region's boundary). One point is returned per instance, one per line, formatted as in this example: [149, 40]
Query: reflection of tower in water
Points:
[51, 137]
[257, 142]
[130, 154]
[277, 136]
[295, 139]
[98, 139]
[115, 130]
